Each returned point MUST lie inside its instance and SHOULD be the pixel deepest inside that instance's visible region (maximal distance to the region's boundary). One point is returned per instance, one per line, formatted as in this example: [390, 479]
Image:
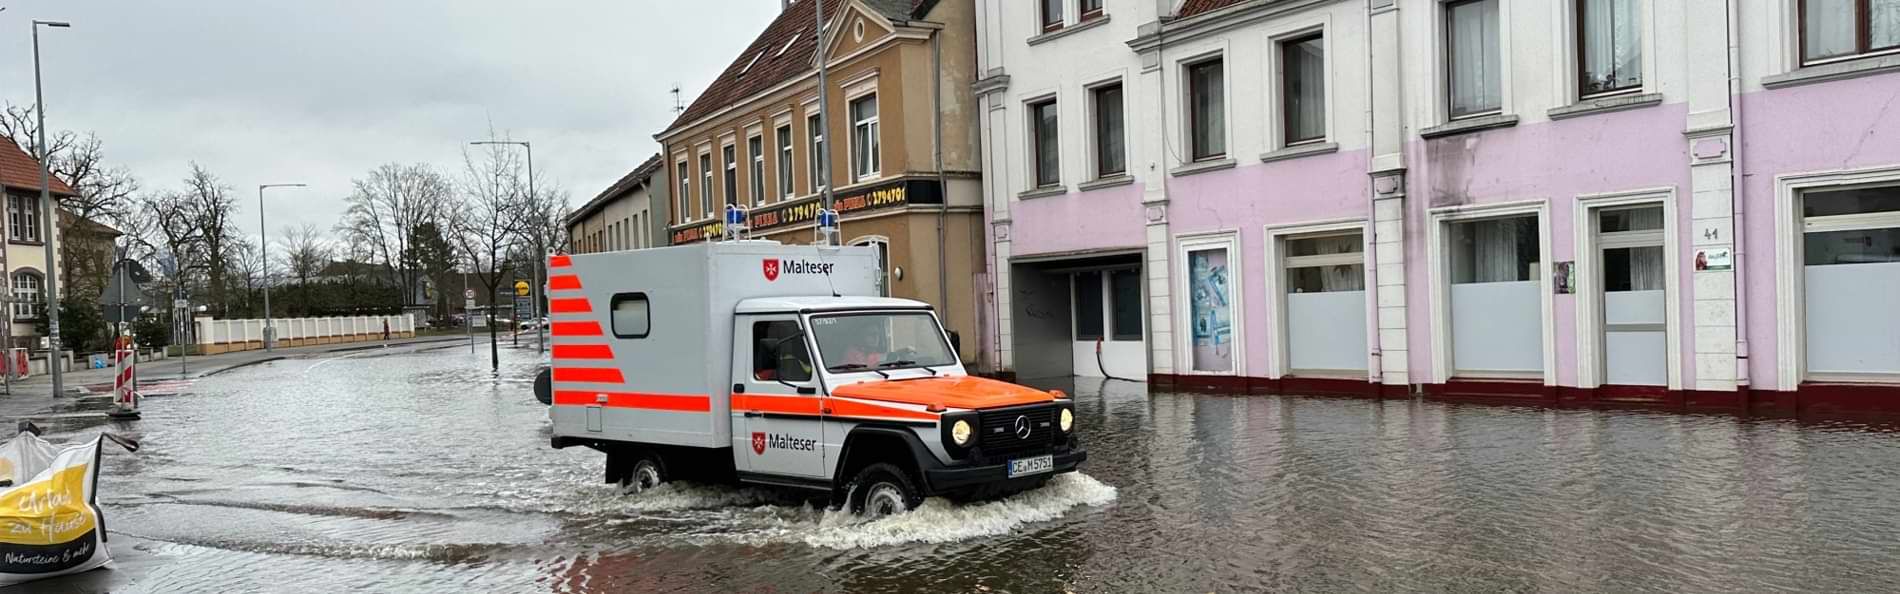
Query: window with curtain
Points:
[685, 200]
[1325, 264]
[1609, 42]
[1494, 250]
[1045, 141]
[1638, 268]
[705, 185]
[1840, 28]
[1303, 88]
[26, 294]
[1207, 110]
[1051, 14]
[1111, 154]
[731, 155]
[815, 146]
[1088, 305]
[1474, 63]
[756, 145]
[1124, 291]
[784, 165]
[864, 137]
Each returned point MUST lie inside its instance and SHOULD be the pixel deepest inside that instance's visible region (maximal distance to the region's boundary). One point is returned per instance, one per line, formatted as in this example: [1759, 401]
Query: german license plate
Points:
[1029, 466]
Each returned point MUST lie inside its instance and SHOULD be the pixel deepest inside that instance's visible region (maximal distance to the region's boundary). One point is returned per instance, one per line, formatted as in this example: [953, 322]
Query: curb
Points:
[381, 345]
[238, 366]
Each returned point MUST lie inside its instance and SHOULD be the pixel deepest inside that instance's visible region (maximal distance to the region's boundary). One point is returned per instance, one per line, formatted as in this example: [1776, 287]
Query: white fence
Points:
[215, 335]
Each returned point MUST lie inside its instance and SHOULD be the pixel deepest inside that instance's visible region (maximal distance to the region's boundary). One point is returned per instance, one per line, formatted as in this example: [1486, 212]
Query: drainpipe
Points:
[943, 191]
[1376, 375]
[1736, 194]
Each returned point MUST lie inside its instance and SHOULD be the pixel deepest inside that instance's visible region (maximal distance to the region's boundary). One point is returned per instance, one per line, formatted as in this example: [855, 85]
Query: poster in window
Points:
[1211, 310]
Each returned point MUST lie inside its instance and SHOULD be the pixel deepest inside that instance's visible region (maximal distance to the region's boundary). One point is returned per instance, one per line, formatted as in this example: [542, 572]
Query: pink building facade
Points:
[1691, 204]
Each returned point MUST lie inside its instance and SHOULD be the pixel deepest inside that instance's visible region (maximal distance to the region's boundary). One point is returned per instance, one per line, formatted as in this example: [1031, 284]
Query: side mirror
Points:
[956, 343]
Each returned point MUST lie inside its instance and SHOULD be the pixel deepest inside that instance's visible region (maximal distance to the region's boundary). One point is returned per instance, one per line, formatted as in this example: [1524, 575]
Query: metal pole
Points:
[824, 113]
[534, 294]
[263, 242]
[52, 227]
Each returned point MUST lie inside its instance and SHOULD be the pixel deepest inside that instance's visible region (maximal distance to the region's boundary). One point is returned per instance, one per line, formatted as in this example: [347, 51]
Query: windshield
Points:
[880, 341]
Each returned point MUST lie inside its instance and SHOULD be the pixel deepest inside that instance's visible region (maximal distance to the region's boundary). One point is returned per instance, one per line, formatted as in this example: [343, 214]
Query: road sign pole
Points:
[468, 317]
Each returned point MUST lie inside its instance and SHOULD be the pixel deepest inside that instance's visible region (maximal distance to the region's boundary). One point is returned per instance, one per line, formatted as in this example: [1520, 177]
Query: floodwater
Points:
[399, 472]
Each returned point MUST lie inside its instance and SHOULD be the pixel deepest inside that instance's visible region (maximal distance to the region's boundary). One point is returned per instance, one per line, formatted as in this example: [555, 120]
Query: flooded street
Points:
[419, 472]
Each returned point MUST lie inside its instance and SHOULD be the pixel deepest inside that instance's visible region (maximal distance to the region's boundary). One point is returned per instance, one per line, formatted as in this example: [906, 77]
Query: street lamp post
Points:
[534, 296]
[52, 219]
[263, 242]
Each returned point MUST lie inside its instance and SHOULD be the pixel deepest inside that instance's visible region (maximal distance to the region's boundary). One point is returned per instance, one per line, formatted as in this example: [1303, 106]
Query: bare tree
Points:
[486, 225]
[305, 251]
[210, 207]
[384, 210]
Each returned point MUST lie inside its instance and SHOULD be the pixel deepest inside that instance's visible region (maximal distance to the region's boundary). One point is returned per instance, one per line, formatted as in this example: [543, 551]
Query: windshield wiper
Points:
[903, 362]
[855, 367]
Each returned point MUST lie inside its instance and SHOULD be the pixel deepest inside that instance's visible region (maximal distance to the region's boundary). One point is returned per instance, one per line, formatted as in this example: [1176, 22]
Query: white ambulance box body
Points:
[642, 339]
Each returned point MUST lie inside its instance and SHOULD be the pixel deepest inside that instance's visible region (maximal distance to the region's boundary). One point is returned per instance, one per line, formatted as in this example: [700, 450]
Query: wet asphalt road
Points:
[421, 472]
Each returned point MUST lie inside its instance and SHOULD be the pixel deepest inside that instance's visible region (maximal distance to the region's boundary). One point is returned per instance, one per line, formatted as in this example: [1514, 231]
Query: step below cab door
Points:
[775, 401]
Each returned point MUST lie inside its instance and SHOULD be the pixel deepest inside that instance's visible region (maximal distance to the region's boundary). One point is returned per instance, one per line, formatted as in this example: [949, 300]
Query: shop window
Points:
[1210, 310]
[1087, 289]
[1496, 296]
[1850, 245]
[1326, 264]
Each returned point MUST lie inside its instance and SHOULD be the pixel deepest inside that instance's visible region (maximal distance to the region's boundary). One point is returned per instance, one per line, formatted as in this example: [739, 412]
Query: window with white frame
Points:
[883, 248]
[815, 145]
[1473, 62]
[784, 136]
[1045, 140]
[705, 185]
[1207, 109]
[731, 187]
[1051, 14]
[1610, 46]
[23, 218]
[864, 138]
[27, 295]
[1850, 255]
[685, 200]
[756, 145]
[1303, 88]
[1111, 144]
[1832, 29]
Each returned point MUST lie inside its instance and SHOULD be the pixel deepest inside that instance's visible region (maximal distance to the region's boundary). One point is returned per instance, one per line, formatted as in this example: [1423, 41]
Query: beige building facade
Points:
[901, 146]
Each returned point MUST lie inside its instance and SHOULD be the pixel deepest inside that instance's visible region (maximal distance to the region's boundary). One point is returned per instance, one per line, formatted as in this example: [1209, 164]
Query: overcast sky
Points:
[322, 91]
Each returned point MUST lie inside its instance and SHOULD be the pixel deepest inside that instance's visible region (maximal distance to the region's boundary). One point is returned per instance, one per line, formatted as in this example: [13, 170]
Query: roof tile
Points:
[18, 171]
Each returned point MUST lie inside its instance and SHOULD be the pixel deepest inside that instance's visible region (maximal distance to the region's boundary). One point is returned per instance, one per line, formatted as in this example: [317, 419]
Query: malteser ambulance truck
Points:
[777, 365]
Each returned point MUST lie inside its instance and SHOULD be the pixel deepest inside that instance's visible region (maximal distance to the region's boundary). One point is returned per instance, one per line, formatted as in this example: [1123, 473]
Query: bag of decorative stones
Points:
[49, 521]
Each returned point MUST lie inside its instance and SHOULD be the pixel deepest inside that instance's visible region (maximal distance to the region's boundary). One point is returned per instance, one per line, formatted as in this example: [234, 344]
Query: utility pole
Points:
[52, 220]
[263, 243]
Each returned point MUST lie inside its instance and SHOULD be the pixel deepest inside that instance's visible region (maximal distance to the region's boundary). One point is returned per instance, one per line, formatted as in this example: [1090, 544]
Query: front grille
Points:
[999, 437]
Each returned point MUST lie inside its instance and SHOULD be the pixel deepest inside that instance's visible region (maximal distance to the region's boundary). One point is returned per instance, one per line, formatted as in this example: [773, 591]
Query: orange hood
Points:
[953, 392]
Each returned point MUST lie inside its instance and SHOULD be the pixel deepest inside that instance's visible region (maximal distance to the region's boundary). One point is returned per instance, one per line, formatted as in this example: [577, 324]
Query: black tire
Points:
[544, 386]
[647, 471]
[882, 490]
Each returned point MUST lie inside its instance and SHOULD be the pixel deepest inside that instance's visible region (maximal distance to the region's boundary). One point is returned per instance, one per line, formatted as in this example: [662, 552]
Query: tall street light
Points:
[263, 241]
[52, 218]
[534, 296]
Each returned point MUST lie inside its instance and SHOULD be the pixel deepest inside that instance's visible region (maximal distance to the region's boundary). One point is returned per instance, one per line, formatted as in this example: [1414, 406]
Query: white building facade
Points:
[1687, 203]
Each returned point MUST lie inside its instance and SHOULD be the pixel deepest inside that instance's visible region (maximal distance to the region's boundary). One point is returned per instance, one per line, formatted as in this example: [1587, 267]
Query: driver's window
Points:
[778, 352]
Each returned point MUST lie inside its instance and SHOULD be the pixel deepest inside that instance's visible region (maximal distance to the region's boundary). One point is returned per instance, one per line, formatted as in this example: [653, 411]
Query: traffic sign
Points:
[468, 304]
[468, 294]
[521, 288]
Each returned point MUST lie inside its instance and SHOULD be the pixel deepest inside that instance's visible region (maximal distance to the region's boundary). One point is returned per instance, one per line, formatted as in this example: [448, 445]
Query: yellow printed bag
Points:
[49, 519]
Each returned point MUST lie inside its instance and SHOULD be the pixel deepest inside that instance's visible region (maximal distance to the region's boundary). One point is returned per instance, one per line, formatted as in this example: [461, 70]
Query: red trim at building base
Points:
[1812, 400]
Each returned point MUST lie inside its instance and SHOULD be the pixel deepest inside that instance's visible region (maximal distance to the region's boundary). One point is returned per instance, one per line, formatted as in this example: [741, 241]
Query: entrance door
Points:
[1107, 308]
[1634, 271]
[776, 429]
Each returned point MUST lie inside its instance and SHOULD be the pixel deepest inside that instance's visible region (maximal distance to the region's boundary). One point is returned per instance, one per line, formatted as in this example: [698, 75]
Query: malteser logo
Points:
[777, 441]
[773, 268]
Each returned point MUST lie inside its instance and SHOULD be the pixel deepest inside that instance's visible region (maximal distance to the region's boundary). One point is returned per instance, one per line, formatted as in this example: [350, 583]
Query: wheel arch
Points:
[871, 444]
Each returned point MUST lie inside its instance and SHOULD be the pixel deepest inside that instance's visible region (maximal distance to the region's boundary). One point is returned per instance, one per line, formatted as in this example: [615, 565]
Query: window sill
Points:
[25, 242]
[1119, 179]
[1300, 150]
[1855, 68]
[1598, 105]
[1054, 34]
[1043, 192]
[1469, 125]
[1202, 167]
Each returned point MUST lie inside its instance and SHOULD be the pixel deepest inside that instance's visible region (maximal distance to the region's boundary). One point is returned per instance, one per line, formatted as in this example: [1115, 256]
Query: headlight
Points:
[1068, 420]
[960, 432]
